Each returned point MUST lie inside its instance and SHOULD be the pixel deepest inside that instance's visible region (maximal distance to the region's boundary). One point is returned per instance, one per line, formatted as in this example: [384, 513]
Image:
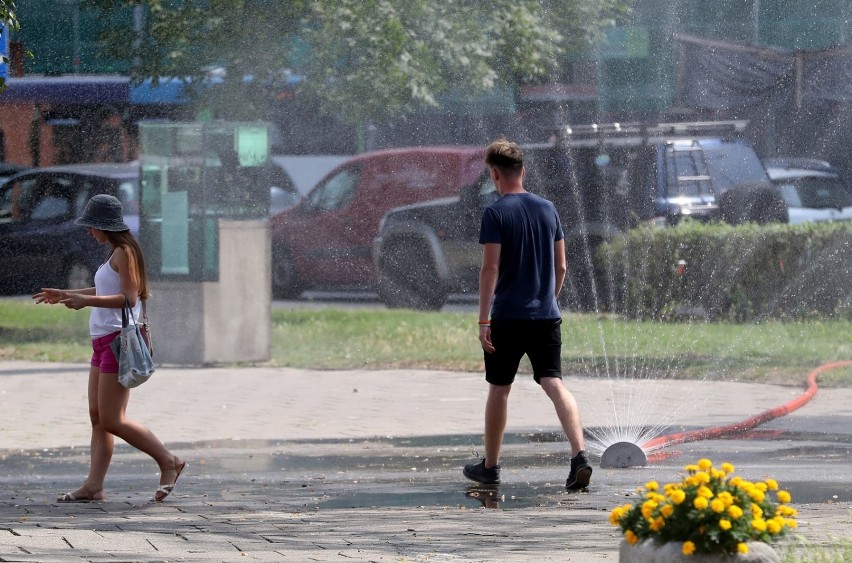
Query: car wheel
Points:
[285, 279]
[78, 275]
[407, 279]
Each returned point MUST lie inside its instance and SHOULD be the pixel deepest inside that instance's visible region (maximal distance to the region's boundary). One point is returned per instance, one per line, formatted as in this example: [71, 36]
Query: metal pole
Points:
[756, 21]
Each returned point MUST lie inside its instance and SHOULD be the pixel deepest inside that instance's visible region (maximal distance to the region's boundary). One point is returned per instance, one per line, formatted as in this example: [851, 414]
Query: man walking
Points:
[523, 267]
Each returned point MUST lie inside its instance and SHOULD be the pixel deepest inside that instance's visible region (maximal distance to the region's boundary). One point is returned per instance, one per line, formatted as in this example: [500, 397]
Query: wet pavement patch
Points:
[421, 471]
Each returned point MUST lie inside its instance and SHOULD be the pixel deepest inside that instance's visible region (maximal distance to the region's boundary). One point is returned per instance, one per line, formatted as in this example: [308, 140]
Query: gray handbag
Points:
[135, 365]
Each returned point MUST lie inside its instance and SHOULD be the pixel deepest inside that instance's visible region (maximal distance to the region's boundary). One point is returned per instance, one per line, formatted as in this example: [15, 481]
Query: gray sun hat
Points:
[103, 212]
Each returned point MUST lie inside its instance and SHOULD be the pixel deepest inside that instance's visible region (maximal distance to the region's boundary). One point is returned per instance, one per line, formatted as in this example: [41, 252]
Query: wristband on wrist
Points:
[485, 323]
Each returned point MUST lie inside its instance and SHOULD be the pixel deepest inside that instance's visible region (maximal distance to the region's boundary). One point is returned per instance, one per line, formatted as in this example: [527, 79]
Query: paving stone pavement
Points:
[361, 465]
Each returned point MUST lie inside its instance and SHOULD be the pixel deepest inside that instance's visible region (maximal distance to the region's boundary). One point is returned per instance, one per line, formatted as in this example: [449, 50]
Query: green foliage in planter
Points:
[743, 273]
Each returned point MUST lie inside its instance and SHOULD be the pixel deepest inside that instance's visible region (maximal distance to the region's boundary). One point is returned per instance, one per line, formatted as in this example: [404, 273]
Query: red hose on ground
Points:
[749, 423]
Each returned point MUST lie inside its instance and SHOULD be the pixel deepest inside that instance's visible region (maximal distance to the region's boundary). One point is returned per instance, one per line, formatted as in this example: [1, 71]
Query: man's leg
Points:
[496, 413]
[569, 415]
[567, 411]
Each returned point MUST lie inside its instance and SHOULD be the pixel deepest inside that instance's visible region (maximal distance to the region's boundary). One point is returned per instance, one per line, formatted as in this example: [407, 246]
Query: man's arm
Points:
[487, 284]
[559, 263]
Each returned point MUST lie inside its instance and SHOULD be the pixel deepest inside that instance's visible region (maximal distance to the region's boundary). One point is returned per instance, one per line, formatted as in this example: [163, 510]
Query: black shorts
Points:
[540, 340]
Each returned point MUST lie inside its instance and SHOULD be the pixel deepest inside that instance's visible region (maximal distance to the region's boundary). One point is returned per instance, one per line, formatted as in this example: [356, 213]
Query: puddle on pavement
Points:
[426, 471]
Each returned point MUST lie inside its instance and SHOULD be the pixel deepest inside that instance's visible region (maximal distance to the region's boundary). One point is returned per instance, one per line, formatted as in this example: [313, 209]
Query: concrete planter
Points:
[650, 552]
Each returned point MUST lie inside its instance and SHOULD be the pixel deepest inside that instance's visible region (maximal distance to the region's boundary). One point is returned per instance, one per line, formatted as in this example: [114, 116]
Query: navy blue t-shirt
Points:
[525, 226]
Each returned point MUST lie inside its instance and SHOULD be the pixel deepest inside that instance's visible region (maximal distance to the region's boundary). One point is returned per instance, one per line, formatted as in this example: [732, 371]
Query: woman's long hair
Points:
[135, 259]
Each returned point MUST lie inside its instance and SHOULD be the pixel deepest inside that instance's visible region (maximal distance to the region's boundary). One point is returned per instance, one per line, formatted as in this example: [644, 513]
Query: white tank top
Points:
[103, 321]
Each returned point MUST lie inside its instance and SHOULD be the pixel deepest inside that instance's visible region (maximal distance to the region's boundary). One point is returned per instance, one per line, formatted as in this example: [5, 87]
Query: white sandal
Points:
[166, 490]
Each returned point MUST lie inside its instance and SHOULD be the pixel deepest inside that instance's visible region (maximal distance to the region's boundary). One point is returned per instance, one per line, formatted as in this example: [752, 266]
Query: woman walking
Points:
[121, 276]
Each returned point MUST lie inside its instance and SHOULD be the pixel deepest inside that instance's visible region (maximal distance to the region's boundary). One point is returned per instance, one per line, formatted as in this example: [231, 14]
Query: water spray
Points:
[622, 455]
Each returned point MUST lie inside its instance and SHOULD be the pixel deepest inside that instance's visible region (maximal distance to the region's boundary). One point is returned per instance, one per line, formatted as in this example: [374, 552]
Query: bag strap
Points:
[128, 310]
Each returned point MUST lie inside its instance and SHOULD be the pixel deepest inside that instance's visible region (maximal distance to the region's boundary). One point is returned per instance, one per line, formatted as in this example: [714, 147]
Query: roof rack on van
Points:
[731, 126]
[616, 129]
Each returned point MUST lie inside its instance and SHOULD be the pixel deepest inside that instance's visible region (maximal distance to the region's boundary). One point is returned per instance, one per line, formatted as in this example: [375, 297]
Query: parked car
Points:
[326, 240]
[813, 189]
[8, 169]
[602, 179]
[40, 245]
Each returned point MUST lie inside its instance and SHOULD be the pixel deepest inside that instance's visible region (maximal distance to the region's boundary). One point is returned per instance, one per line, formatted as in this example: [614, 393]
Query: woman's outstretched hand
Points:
[49, 296]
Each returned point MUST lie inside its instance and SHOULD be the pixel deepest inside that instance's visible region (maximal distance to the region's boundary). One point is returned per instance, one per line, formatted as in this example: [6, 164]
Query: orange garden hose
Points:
[749, 423]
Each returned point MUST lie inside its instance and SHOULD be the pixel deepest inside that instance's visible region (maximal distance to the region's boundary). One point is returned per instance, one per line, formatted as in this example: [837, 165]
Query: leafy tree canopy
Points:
[362, 59]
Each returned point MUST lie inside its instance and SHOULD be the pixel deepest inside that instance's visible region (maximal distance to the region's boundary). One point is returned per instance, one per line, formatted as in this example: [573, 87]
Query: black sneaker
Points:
[481, 474]
[581, 472]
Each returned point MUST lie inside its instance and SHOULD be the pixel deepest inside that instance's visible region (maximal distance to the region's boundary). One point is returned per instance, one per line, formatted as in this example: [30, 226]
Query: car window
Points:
[9, 200]
[816, 193]
[790, 194]
[336, 192]
[51, 207]
[281, 200]
[128, 193]
[731, 163]
[52, 199]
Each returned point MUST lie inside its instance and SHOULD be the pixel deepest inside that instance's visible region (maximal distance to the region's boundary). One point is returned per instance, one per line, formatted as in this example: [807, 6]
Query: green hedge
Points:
[743, 273]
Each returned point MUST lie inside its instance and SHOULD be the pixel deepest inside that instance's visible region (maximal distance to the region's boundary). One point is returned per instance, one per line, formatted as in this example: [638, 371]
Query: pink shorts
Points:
[103, 357]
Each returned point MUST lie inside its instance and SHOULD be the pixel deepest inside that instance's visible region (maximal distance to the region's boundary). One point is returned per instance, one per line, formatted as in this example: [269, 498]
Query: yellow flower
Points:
[756, 511]
[784, 496]
[756, 495]
[735, 512]
[652, 485]
[717, 506]
[727, 468]
[666, 510]
[790, 523]
[700, 503]
[761, 486]
[704, 464]
[726, 498]
[759, 524]
[773, 527]
[742, 548]
[690, 468]
[631, 537]
[772, 484]
[688, 548]
[702, 477]
[615, 515]
[648, 508]
[657, 524]
[724, 524]
[785, 510]
[736, 481]
[677, 496]
[704, 492]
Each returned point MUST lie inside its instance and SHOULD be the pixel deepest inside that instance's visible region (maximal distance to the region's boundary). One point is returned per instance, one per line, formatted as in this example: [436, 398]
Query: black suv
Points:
[602, 179]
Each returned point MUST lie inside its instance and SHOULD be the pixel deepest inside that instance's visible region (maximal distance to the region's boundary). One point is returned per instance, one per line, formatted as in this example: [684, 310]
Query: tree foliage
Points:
[361, 59]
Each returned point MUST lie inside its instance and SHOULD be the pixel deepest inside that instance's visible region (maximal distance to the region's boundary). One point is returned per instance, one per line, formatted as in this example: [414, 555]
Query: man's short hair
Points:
[506, 156]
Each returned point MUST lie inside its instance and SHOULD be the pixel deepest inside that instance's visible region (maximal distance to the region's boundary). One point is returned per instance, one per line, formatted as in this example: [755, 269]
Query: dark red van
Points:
[326, 241]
